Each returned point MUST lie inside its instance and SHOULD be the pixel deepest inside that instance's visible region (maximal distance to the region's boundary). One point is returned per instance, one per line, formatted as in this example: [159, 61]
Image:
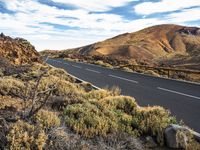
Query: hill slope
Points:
[17, 51]
[162, 44]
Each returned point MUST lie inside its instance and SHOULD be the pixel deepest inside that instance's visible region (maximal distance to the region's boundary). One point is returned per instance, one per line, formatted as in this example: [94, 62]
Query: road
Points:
[181, 98]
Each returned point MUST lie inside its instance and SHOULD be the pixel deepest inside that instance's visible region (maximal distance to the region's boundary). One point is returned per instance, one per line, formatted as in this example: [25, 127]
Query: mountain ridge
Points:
[17, 50]
[166, 44]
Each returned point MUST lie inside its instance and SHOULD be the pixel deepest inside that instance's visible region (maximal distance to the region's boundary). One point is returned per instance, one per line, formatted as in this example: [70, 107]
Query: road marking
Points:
[123, 78]
[172, 91]
[77, 66]
[92, 70]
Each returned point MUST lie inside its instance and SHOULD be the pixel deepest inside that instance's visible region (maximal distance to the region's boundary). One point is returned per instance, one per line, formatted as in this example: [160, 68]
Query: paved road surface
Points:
[181, 98]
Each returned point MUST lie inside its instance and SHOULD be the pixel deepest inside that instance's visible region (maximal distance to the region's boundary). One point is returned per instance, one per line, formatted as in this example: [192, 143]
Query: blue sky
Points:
[62, 24]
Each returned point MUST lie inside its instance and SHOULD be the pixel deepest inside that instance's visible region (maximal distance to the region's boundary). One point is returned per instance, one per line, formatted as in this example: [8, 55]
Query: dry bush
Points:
[23, 135]
[104, 64]
[8, 102]
[61, 138]
[61, 73]
[1, 73]
[11, 86]
[64, 88]
[153, 121]
[46, 119]
[151, 72]
[124, 104]
[127, 69]
[97, 94]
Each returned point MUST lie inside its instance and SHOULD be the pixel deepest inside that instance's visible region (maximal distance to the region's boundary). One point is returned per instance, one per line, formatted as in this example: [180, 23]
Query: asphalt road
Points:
[181, 98]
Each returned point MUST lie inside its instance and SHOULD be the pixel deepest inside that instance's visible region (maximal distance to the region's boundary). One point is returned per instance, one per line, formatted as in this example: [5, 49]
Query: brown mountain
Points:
[17, 51]
[162, 44]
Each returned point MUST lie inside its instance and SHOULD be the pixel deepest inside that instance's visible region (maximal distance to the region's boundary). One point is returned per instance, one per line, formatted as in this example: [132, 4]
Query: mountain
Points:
[161, 45]
[17, 51]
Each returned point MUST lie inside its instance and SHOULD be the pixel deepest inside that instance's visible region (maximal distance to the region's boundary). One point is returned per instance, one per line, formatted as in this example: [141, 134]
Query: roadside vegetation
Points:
[131, 66]
[44, 108]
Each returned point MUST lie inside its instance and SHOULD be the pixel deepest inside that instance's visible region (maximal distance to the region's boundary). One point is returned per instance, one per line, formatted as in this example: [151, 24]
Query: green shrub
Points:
[124, 104]
[23, 135]
[153, 121]
[11, 86]
[97, 94]
[64, 88]
[88, 120]
[47, 119]
[61, 74]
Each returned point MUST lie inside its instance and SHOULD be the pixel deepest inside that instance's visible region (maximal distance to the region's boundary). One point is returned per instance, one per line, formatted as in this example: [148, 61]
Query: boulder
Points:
[178, 136]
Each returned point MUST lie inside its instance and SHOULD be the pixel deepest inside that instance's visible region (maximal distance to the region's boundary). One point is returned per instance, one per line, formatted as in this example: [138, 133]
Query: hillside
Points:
[17, 51]
[162, 44]
[44, 108]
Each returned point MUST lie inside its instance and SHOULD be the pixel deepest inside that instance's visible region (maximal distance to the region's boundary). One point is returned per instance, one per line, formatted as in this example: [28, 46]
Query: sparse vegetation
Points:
[74, 115]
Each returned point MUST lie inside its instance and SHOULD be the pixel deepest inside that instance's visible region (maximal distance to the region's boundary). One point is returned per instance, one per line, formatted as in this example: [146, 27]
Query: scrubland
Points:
[42, 107]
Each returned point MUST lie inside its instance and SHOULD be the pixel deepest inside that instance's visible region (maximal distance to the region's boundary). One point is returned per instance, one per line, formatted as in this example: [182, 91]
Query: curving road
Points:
[181, 98]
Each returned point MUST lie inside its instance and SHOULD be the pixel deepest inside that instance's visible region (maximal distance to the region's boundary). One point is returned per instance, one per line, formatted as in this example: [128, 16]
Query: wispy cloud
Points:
[162, 6]
[80, 22]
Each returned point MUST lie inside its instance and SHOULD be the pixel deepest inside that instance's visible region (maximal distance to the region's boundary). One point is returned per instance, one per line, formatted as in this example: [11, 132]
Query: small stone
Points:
[150, 143]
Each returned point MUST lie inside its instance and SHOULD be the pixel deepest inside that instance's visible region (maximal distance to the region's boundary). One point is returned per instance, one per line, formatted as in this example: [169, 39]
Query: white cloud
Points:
[29, 16]
[95, 5]
[147, 8]
[186, 15]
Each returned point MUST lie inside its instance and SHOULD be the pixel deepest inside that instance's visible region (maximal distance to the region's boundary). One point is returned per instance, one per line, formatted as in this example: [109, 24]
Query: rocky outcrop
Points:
[17, 51]
[180, 137]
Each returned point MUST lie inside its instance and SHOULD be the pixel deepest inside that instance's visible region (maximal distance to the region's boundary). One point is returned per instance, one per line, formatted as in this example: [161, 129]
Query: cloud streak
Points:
[50, 27]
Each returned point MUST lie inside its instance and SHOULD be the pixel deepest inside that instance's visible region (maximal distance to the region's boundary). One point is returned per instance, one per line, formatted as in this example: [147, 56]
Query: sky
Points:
[63, 24]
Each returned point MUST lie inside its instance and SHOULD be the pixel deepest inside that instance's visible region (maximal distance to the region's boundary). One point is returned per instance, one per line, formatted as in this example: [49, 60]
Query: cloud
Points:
[49, 27]
[186, 15]
[95, 5]
[162, 6]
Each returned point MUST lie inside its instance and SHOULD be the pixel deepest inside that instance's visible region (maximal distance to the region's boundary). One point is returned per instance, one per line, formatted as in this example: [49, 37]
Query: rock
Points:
[150, 143]
[177, 136]
[196, 135]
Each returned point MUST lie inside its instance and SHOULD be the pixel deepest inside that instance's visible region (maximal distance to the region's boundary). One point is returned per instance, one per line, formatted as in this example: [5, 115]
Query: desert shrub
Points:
[60, 73]
[60, 102]
[120, 103]
[72, 59]
[46, 119]
[1, 73]
[104, 64]
[64, 88]
[23, 135]
[153, 121]
[97, 94]
[115, 91]
[87, 86]
[127, 69]
[11, 86]
[88, 120]
[151, 72]
[8, 102]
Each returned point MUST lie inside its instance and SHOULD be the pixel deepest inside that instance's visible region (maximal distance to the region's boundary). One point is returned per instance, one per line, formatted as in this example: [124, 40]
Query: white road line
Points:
[123, 78]
[77, 66]
[92, 70]
[172, 91]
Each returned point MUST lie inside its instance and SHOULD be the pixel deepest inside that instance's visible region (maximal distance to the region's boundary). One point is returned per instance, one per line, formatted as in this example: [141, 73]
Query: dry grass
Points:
[23, 135]
[90, 113]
